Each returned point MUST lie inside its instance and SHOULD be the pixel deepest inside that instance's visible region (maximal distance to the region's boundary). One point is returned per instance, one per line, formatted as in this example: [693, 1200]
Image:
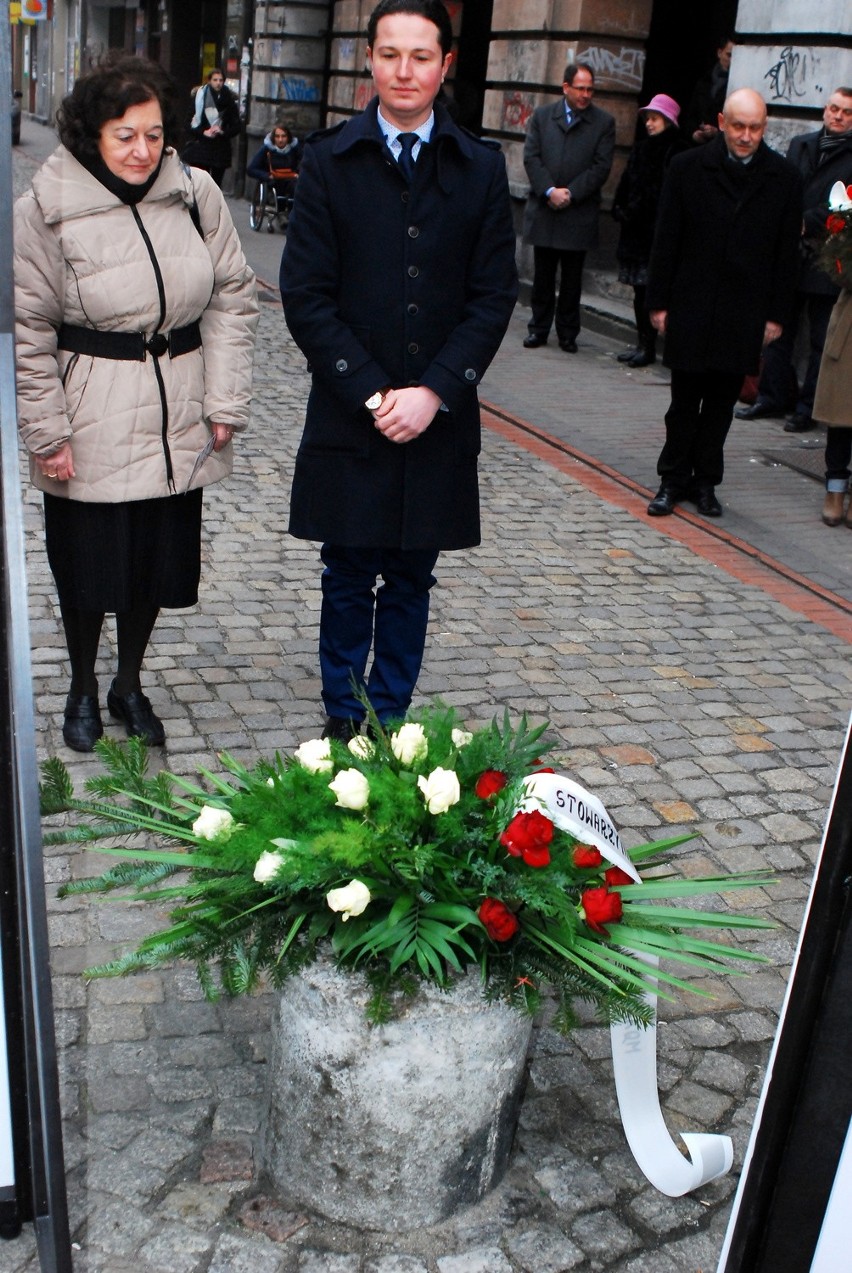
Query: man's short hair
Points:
[844, 92]
[571, 71]
[432, 10]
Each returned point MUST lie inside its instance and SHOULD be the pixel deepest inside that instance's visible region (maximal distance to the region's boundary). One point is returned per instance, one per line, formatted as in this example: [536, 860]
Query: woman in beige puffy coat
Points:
[833, 407]
[136, 317]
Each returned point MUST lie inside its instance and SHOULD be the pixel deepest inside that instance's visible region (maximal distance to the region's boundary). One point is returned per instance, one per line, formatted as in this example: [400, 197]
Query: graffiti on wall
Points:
[794, 75]
[624, 68]
[294, 88]
[363, 94]
[517, 109]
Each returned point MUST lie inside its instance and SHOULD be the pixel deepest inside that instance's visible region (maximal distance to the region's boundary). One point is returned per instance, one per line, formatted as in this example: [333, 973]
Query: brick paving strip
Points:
[710, 541]
[682, 695]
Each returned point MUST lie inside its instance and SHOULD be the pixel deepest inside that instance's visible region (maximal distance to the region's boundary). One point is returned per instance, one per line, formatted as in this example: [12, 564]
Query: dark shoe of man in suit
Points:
[663, 503]
[706, 502]
[628, 354]
[799, 422]
[533, 342]
[568, 346]
[759, 411]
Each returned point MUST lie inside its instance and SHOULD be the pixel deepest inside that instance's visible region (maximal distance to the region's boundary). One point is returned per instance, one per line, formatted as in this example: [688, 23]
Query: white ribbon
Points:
[634, 1061]
[575, 810]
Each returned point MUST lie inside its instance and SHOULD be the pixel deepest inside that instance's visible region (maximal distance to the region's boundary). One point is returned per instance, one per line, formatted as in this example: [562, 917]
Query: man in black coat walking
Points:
[398, 281]
[822, 158]
[721, 281]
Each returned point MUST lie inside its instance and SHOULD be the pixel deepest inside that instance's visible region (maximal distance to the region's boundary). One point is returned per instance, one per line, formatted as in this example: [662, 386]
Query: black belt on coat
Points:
[129, 346]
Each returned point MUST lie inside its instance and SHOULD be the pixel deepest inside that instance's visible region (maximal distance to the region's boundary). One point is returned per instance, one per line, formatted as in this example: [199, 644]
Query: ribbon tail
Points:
[634, 1059]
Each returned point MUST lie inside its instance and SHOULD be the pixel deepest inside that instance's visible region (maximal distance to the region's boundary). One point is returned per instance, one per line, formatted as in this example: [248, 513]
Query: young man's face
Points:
[408, 68]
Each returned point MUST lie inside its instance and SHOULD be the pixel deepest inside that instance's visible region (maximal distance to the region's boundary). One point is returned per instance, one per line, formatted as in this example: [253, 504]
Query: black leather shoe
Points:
[341, 728]
[759, 411]
[135, 710]
[664, 501]
[82, 725]
[643, 358]
[568, 346]
[706, 502]
[799, 422]
[628, 354]
[533, 342]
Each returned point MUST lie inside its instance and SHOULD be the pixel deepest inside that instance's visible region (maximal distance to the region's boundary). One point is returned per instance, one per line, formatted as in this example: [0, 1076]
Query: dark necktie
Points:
[406, 158]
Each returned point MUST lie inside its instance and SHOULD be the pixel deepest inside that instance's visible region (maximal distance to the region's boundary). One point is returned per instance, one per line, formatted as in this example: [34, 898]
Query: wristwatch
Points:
[375, 400]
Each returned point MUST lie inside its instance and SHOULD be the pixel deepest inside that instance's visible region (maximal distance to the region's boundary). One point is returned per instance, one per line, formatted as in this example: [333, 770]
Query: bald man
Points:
[721, 283]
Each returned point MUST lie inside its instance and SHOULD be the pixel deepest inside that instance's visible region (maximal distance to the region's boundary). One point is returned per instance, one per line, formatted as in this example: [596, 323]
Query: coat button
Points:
[413, 348]
[413, 271]
[405, 196]
[413, 231]
[341, 365]
[413, 309]
[470, 374]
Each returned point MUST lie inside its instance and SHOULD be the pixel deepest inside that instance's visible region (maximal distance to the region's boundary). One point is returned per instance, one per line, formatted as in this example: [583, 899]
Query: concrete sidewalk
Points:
[685, 687]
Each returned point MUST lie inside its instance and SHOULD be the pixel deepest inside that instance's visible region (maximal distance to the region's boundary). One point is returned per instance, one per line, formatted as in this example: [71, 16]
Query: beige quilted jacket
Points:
[81, 259]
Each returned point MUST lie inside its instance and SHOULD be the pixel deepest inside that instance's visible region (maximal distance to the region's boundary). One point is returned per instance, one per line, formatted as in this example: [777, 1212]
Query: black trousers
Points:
[838, 457]
[776, 377]
[543, 299]
[697, 424]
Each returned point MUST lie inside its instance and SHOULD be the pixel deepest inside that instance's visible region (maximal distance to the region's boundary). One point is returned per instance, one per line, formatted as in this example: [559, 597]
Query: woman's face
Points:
[655, 123]
[280, 138]
[131, 147]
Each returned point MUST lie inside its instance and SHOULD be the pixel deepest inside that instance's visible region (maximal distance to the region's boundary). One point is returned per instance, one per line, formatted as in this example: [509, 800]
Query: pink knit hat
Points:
[664, 105]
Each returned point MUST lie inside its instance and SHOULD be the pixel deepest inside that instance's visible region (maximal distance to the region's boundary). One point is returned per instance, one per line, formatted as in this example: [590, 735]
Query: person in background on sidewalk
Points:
[833, 401]
[215, 122]
[720, 286]
[822, 158]
[398, 281]
[635, 208]
[568, 155]
[701, 117]
[136, 315]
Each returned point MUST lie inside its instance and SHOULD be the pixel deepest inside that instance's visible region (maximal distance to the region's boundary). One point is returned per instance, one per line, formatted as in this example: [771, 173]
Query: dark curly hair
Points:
[107, 92]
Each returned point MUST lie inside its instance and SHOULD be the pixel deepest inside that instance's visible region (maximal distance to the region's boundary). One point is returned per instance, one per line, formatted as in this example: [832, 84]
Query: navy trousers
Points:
[392, 619]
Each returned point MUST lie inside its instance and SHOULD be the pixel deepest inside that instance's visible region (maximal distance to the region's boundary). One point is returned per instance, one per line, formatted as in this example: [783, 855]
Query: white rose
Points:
[440, 790]
[266, 866]
[351, 900]
[461, 737]
[315, 755]
[213, 823]
[409, 743]
[361, 747]
[351, 788]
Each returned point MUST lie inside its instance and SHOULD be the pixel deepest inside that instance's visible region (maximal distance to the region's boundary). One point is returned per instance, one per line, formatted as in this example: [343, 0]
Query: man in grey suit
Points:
[568, 156]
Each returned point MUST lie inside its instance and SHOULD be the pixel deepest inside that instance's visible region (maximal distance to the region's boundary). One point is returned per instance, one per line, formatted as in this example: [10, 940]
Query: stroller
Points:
[273, 200]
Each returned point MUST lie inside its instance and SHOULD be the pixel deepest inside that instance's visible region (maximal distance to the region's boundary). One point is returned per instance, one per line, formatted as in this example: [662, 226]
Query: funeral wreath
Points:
[410, 854]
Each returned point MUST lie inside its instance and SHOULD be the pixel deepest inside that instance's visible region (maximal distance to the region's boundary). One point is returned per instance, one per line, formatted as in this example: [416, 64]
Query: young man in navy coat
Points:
[398, 281]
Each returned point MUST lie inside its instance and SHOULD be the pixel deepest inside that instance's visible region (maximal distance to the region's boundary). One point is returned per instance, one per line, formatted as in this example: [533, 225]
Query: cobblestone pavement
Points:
[687, 693]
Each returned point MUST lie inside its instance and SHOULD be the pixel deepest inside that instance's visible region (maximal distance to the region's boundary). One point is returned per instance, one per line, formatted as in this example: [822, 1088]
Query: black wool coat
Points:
[386, 285]
[637, 195]
[725, 256]
[818, 177]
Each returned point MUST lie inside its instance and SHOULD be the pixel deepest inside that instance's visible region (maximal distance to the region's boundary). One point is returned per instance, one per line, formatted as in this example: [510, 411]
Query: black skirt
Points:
[111, 558]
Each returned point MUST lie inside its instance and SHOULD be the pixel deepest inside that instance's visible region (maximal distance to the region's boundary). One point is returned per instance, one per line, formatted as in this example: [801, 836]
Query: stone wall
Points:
[289, 64]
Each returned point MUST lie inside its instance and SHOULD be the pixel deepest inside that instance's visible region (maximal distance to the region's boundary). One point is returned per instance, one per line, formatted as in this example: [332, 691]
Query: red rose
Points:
[599, 906]
[497, 920]
[615, 877]
[489, 783]
[835, 224]
[528, 836]
[586, 856]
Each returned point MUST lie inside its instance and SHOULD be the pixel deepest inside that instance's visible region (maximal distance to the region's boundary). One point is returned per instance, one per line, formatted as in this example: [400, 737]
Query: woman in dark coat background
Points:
[215, 122]
[635, 207]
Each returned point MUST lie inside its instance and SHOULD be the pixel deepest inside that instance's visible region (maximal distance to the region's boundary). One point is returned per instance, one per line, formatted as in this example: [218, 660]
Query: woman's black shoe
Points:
[138, 715]
[82, 725]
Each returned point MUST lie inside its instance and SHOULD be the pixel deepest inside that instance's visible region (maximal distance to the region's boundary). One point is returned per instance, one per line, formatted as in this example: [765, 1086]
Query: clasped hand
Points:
[406, 413]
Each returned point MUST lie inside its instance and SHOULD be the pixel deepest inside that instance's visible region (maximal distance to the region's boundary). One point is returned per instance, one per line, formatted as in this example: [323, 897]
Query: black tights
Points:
[83, 634]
